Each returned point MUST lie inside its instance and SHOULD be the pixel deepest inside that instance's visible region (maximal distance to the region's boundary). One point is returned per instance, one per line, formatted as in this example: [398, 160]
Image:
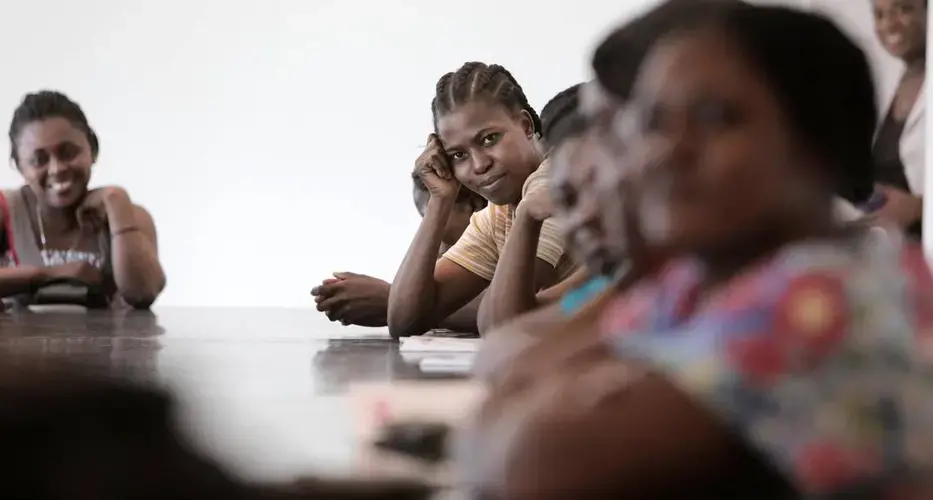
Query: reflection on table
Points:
[264, 389]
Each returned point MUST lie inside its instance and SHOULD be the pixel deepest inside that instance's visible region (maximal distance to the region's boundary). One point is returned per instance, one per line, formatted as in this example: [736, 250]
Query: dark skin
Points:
[55, 159]
[900, 26]
[356, 299]
[717, 155]
[576, 201]
[512, 291]
[489, 150]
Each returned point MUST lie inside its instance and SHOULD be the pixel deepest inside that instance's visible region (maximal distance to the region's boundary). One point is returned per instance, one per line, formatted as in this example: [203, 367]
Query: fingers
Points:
[439, 164]
[344, 275]
[327, 289]
[339, 313]
[330, 304]
[434, 159]
[90, 219]
[434, 164]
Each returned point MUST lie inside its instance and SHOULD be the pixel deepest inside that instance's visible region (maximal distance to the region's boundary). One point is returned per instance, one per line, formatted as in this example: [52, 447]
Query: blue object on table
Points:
[575, 299]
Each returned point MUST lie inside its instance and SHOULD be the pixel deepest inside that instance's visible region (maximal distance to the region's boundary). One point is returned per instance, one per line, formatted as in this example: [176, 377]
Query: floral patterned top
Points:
[819, 356]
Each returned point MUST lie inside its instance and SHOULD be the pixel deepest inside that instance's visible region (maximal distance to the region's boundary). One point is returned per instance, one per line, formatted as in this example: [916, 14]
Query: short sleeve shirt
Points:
[819, 357]
[480, 246]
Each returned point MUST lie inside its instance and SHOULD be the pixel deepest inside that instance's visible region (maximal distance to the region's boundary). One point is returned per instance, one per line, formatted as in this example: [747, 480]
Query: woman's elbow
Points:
[485, 317]
[404, 327]
[144, 295]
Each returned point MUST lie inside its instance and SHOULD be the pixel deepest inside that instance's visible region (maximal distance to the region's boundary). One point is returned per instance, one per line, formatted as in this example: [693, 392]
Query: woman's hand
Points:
[353, 299]
[618, 189]
[537, 205]
[94, 211]
[434, 170]
[900, 207]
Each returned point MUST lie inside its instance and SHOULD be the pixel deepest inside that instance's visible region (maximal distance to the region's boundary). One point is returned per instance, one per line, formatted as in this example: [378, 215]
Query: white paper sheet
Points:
[439, 344]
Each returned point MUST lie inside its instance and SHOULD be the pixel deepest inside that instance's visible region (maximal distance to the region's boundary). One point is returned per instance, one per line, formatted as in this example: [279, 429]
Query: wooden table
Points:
[263, 389]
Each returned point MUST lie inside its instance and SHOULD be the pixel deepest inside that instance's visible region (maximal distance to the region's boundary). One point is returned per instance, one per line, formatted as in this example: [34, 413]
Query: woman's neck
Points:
[723, 264]
[53, 219]
[916, 65]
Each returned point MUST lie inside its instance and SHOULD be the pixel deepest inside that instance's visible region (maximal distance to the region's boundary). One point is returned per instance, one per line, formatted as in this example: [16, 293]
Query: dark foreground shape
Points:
[69, 434]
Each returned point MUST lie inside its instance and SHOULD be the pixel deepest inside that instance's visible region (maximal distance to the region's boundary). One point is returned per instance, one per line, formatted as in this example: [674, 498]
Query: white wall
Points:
[272, 139]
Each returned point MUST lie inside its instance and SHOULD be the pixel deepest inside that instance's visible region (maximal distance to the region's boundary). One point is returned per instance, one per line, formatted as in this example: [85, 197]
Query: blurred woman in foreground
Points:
[774, 352]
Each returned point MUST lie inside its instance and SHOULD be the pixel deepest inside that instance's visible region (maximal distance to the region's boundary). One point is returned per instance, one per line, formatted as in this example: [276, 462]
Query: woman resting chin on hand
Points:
[57, 230]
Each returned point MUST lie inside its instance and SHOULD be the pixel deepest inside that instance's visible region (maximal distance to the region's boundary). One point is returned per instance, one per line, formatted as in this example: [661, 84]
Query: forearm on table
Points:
[464, 320]
[20, 280]
[412, 295]
[512, 290]
[137, 271]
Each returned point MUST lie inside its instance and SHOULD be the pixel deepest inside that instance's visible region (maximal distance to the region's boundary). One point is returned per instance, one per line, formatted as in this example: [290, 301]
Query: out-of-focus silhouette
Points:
[77, 434]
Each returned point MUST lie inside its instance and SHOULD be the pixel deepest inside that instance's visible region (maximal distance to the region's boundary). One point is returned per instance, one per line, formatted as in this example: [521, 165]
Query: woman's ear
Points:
[95, 144]
[528, 124]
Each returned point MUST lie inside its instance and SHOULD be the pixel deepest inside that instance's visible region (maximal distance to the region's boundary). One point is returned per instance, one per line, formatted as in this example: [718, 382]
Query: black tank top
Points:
[886, 155]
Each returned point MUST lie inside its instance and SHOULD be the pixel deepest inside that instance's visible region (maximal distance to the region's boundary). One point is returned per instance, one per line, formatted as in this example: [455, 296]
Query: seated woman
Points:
[572, 193]
[575, 151]
[570, 169]
[778, 353]
[484, 141]
[574, 155]
[356, 299]
[57, 230]
[899, 149]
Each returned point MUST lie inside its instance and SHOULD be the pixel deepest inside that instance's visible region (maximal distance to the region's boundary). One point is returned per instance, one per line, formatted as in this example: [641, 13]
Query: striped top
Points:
[480, 246]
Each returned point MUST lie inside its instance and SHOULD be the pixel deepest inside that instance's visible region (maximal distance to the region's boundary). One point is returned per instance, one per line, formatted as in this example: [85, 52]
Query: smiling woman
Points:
[57, 231]
[899, 149]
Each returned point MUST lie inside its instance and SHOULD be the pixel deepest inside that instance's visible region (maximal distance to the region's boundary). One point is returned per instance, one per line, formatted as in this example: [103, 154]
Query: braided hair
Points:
[47, 104]
[476, 80]
[560, 118]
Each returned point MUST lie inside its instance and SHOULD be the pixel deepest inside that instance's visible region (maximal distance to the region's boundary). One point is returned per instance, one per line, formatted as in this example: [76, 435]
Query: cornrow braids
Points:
[476, 80]
[47, 104]
[560, 118]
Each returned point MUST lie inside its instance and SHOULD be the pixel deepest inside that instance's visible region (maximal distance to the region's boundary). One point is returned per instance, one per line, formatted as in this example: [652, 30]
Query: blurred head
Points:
[64, 424]
[488, 130]
[743, 125]
[558, 118]
[467, 203]
[901, 27]
[582, 141]
[573, 154]
[54, 147]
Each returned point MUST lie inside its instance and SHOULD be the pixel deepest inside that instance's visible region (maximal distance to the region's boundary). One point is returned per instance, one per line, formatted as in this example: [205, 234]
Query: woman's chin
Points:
[64, 200]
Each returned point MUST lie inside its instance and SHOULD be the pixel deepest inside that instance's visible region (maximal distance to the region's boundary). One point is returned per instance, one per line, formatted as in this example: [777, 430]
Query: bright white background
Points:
[272, 140]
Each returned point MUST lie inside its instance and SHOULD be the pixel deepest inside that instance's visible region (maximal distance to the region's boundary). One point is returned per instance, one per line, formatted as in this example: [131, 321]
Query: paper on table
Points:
[454, 364]
[439, 344]
[363, 333]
